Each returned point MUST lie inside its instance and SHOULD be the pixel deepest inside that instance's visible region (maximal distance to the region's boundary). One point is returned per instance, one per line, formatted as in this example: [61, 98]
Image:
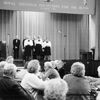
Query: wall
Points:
[92, 31]
[68, 33]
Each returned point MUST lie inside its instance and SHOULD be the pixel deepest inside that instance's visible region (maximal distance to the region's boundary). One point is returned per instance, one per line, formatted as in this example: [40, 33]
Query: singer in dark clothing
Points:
[28, 48]
[38, 47]
[33, 48]
[16, 45]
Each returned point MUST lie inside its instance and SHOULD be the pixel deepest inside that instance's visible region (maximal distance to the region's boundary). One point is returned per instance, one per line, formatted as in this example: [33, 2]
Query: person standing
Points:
[33, 50]
[16, 45]
[47, 49]
[38, 48]
[23, 50]
[28, 44]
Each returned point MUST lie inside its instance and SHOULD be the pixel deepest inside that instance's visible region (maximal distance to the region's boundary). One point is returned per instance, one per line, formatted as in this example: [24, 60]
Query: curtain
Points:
[68, 33]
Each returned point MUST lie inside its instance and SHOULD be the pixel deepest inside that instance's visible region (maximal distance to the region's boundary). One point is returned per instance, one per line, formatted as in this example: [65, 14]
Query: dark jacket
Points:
[79, 87]
[16, 44]
[11, 90]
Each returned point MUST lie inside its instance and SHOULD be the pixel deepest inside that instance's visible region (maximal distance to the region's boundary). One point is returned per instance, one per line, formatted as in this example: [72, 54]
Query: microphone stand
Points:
[8, 45]
[65, 46]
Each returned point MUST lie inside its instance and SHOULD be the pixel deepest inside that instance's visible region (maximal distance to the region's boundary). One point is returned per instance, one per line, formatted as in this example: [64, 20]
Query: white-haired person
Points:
[9, 59]
[50, 72]
[79, 85]
[31, 81]
[47, 65]
[56, 89]
[2, 64]
[59, 66]
[9, 88]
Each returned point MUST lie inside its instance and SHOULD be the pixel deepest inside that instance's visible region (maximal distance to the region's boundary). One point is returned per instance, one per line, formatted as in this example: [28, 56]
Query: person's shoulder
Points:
[31, 76]
[8, 81]
[67, 75]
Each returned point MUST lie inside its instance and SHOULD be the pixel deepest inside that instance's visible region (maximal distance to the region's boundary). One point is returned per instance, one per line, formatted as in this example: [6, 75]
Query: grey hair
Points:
[10, 59]
[10, 69]
[2, 64]
[55, 89]
[78, 69]
[33, 66]
[47, 65]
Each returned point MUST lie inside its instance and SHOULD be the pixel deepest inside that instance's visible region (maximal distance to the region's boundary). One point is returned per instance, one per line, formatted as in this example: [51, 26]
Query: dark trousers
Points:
[16, 53]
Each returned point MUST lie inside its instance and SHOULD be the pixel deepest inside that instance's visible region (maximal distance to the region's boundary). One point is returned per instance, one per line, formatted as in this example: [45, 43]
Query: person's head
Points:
[78, 69]
[16, 36]
[47, 65]
[2, 64]
[10, 59]
[52, 73]
[10, 70]
[53, 64]
[34, 37]
[59, 64]
[26, 36]
[55, 89]
[33, 66]
[47, 39]
[98, 69]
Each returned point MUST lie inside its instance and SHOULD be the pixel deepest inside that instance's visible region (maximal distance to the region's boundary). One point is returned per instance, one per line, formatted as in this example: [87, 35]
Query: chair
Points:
[81, 96]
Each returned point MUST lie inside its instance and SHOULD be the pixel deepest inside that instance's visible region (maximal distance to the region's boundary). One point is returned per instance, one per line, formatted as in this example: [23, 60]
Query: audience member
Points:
[50, 72]
[9, 88]
[10, 59]
[98, 70]
[79, 85]
[56, 89]
[96, 84]
[47, 66]
[31, 81]
[2, 64]
[59, 66]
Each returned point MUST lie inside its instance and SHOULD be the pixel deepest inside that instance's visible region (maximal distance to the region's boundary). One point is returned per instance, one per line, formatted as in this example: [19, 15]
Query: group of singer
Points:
[35, 48]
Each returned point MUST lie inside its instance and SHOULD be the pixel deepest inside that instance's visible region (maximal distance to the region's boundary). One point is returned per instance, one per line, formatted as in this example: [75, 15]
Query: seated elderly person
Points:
[47, 66]
[96, 84]
[10, 59]
[79, 85]
[2, 64]
[31, 81]
[9, 88]
[56, 89]
[50, 72]
[59, 66]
